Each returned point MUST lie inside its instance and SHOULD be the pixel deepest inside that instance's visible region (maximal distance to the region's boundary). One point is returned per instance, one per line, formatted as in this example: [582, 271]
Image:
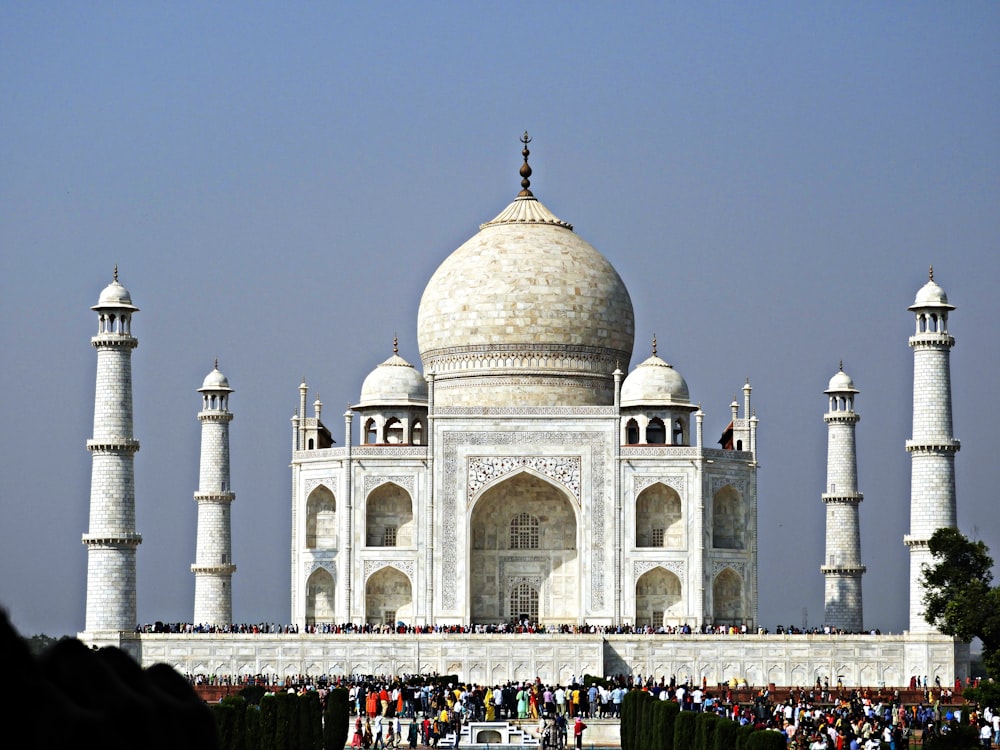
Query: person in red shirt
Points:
[578, 727]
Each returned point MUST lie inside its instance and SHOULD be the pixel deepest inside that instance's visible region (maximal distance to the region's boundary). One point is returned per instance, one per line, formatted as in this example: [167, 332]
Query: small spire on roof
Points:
[216, 363]
[395, 344]
[841, 365]
[525, 168]
[931, 274]
[116, 272]
[654, 344]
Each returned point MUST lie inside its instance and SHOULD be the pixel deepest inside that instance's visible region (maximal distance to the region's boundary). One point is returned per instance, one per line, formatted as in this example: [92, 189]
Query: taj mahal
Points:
[525, 473]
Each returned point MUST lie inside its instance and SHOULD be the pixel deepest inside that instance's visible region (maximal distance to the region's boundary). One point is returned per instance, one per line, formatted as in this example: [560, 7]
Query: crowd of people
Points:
[499, 628]
[417, 709]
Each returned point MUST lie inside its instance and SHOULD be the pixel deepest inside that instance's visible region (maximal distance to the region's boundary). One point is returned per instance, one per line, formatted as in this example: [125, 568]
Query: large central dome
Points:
[525, 313]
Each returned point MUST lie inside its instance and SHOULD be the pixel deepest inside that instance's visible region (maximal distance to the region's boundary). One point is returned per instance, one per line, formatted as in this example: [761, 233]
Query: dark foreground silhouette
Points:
[75, 697]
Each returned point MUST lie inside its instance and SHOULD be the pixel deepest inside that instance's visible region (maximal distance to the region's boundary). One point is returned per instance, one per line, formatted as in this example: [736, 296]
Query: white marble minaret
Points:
[111, 539]
[933, 447]
[842, 568]
[213, 569]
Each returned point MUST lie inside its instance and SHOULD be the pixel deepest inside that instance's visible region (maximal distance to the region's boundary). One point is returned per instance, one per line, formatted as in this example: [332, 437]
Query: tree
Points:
[959, 598]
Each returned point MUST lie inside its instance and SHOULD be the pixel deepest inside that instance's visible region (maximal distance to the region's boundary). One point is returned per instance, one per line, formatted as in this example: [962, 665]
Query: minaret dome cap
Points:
[115, 296]
[841, 383]
[931, 295]
[215, 381]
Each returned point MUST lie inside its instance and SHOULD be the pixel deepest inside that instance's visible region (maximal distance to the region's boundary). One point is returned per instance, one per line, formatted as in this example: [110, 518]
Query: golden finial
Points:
[525, 168]
[931, 273]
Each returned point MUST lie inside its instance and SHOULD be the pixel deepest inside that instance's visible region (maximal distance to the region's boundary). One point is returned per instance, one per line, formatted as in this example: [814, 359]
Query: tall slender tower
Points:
[933, 447]
[843, 568]
[112, 540]
[213, 569]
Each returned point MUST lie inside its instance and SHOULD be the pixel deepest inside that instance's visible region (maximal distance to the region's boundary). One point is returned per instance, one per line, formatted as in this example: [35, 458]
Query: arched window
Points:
[393, 431]
[371, 432]
[418, 434]
[656, 433]
[524, 532]
[678, 438]
[631, 432]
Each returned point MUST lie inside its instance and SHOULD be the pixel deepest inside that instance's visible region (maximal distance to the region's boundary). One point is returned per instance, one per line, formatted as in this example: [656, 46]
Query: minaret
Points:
[112, 540]
[933, 447]
[213, 569]
[842, 569]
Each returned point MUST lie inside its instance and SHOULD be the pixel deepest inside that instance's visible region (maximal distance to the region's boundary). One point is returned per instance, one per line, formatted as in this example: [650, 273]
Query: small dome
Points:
[115, 295]
[841, 383]
[931, 295]
[654, 383]
[395, 382]
[215, 381]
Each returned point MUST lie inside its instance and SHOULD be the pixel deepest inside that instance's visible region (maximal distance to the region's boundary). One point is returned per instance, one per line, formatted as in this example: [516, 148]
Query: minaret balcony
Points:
[113, 445]
[939, 445]
[846, 570]
[127, 539]
[213, 569]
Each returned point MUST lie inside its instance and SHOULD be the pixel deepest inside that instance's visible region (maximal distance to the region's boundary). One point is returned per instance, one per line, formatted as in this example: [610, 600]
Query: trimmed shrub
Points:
[335, 719]
[684, 730]
[726, 732]
[252, 728]
[269, 722]
[310, 724]
[226, 720]
[766, 739]
[704, 737]
[742, 736]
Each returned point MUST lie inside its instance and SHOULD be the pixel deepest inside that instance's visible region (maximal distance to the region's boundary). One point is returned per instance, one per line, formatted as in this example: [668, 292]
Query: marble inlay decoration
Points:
[373, 566]
[371, 482]
[483, 470]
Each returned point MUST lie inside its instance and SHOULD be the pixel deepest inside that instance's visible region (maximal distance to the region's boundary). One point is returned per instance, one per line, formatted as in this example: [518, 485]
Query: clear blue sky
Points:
[278, 181]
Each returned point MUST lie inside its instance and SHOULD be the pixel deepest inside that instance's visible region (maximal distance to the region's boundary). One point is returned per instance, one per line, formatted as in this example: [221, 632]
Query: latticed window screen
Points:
[524, 601]
[389, 617]
[389, 537]
[524, 532]
[656, 537]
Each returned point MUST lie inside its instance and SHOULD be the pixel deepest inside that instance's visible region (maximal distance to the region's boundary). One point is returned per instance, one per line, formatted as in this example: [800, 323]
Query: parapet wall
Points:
[752, 660]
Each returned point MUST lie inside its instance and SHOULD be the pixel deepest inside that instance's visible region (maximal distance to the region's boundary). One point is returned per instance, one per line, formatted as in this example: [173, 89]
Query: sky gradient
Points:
[278, 182]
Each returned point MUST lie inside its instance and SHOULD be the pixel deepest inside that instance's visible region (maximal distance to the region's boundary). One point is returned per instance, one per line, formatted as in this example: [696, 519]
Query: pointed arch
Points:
[389, 517]
[656, 432]
[321, 519]
[523, 530]
[320, 598]
[632, 432]
[659, 518]
[728, 519]
[658, 598]
[727, 598]
[388, 597]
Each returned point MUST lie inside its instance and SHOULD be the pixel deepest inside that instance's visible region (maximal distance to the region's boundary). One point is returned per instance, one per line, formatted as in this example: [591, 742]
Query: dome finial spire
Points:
[216, 363]
[395, 344]
[116, 272]
[841, 365]
[654, 344]
[930, 274]
[525, 168]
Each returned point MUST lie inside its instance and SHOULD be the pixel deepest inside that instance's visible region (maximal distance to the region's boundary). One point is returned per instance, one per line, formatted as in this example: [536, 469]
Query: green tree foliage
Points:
[631, 716]
[253, 731]
[268, 722]
[705, 724]
[286, 726]
[958, 737]
[684, 730]
[959, 598]
[226, 719]
[726, 732]
[765, 739]
[335, 719]
[310, 734]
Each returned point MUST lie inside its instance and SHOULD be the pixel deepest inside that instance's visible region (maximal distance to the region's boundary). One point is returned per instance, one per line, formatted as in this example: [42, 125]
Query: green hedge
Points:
[684, 730]
[336, 718]
[705, 724]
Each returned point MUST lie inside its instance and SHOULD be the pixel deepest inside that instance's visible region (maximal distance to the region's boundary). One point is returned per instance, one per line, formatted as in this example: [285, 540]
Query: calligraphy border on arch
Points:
[450, 443]
[404, 566]
[373, 481]
[483, 470]
[675, 482]
[677, 567]
[328, 482]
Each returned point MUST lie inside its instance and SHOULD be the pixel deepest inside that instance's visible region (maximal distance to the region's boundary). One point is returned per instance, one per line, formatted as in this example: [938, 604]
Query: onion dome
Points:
[841, 383]
[931, 295]
[215, 381]
[654, 383]
[394, 382]
[115, 296]
[525, 313]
